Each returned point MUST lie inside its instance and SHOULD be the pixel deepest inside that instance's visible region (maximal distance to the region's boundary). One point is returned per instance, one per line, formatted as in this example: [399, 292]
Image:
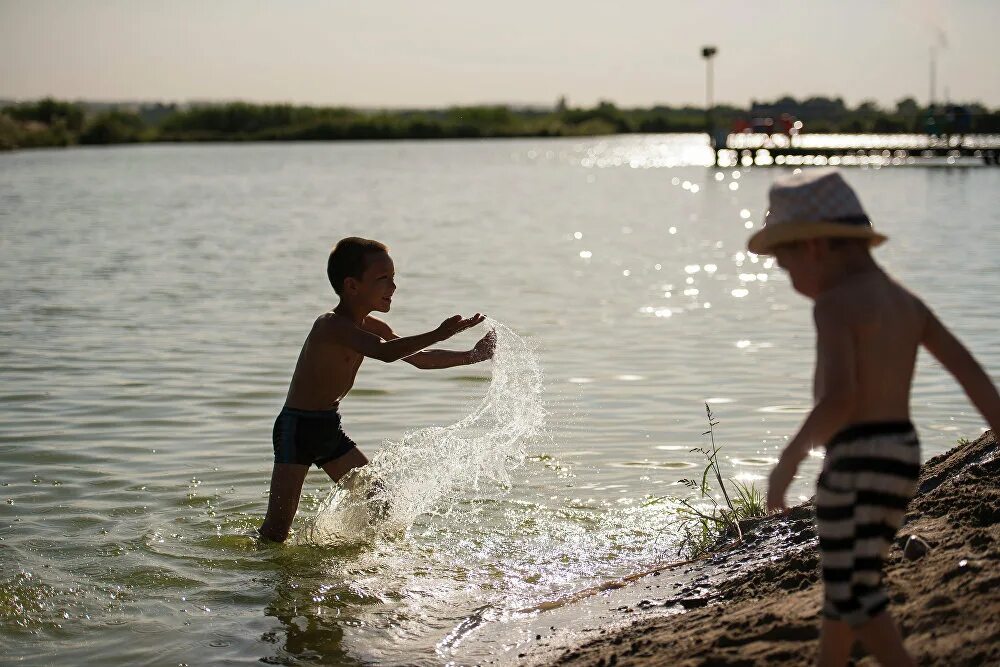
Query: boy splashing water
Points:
[869, 329]
[308, 430]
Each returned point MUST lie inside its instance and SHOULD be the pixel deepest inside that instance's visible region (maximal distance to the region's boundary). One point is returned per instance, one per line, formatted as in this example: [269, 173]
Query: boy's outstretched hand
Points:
[457, 324]
[486, 346]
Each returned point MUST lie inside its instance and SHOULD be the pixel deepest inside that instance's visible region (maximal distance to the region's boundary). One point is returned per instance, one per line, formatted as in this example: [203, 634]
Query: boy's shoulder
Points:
[864, 296]
[330, 325]
[327, 320]
[376, 326]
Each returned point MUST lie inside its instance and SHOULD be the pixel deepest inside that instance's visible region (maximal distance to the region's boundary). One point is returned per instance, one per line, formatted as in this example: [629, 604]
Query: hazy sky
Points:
[439, 52]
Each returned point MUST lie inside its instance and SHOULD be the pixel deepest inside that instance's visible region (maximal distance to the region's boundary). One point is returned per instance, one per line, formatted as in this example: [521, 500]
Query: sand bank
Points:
[759, 603]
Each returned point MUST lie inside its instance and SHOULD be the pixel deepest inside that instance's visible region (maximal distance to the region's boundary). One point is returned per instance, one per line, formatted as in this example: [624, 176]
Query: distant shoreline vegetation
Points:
[50, 122]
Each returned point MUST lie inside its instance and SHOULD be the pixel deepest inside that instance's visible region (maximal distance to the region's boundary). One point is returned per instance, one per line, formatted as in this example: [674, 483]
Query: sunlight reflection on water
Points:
[155, 297]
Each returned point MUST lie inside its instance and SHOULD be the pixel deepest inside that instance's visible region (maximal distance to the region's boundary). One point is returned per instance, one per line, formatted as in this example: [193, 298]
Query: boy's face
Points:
[375, 288]
[802, 262]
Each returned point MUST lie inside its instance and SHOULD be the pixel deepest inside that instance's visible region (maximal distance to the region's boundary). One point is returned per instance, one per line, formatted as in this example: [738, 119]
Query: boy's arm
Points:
[963, 366]
[835, 364]
[371, 345]
[482, 351]
[427, 359]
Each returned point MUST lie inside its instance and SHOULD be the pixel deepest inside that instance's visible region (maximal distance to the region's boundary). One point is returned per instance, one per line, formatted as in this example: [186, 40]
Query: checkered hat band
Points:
[859, 220]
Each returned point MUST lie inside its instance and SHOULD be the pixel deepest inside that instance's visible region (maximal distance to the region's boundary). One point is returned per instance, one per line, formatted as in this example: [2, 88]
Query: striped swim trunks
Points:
[869, 475]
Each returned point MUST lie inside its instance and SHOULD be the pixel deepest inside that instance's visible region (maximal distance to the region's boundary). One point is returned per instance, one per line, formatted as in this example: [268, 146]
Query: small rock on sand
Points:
[916, 548]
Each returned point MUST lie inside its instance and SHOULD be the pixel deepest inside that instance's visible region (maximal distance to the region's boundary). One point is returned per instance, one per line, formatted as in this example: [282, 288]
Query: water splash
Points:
[430, 469]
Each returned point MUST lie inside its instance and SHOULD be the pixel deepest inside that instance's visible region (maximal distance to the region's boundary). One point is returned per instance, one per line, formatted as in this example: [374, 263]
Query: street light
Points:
[708, 52]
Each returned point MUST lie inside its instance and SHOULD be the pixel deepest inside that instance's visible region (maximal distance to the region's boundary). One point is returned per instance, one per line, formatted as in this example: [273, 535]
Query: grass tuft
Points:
[706, 523]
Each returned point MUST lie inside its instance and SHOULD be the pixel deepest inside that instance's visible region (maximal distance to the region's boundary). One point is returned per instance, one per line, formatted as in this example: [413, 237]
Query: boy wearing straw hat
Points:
[869, 329]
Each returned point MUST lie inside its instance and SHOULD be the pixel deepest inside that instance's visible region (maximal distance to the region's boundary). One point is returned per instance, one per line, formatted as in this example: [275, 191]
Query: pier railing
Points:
[858, 150]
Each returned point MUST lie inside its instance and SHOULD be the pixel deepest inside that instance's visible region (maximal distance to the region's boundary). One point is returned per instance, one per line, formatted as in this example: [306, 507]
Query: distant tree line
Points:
[50, 122]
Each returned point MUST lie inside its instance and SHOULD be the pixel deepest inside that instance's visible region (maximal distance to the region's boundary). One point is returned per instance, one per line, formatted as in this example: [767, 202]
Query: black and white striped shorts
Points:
[869, 475]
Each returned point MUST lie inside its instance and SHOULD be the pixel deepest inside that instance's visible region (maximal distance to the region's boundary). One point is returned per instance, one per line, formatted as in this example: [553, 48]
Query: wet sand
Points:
[758, 603]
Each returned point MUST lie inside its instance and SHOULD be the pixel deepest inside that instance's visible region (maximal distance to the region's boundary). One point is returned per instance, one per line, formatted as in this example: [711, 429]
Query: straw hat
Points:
[809, 205]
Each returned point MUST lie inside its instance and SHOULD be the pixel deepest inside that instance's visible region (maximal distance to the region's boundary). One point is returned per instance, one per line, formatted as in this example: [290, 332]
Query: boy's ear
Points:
[350, 285]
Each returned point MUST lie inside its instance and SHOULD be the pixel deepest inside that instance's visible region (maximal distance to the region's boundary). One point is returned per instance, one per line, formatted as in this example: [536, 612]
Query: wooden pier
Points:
[862, 150]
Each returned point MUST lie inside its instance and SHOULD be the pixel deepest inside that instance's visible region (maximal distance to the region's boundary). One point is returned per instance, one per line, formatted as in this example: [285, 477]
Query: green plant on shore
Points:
[707, 523]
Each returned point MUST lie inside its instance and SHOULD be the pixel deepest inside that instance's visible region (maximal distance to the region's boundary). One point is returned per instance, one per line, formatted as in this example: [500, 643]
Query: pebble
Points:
[692, 603]
[916, 548]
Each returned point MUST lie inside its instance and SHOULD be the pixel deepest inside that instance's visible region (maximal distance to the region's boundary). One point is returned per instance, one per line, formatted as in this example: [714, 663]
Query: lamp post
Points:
[933, 76]
[708, 52]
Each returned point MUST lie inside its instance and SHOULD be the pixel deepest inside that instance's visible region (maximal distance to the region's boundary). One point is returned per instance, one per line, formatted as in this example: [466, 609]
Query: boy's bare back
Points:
[869, 329]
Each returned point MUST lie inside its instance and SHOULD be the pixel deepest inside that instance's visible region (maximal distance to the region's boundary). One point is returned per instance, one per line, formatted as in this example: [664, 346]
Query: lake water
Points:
[153, 300]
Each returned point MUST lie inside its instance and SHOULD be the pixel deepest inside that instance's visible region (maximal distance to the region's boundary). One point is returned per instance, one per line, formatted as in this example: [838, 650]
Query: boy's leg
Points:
[835, 641]
[342, 465]
[881, 637]
[885, 484]
[286, 487]
[374, 493]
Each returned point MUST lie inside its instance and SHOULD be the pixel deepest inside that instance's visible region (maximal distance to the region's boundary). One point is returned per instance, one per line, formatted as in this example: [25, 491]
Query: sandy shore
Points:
[758, 603]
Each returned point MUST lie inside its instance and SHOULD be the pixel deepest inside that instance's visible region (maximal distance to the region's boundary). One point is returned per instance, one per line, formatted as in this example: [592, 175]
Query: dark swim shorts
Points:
[309, 437]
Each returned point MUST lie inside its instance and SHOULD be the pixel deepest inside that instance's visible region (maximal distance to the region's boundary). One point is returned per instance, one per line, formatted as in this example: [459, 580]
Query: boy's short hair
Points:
[349, 259]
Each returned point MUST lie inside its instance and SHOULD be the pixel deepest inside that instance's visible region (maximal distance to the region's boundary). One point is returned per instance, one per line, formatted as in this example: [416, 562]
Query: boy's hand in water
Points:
[457, 324]
[486, 346]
